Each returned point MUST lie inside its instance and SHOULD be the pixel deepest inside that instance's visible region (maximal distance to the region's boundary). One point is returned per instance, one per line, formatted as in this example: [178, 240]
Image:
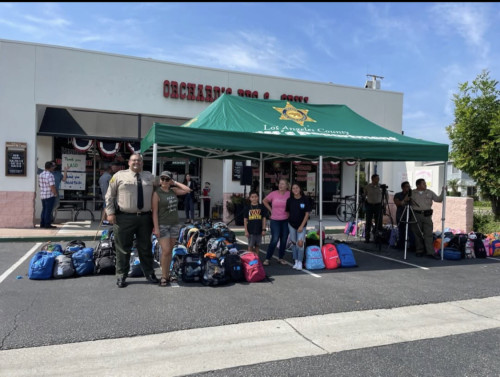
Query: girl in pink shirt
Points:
[275, 203]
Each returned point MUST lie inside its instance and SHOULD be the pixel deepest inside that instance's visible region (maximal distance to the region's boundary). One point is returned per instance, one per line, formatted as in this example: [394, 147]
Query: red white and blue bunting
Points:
[82, 145]
[108, 149]
[134, 147]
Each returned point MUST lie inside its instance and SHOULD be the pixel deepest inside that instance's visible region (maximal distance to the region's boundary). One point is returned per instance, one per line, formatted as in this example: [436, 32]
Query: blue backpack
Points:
[41, 265]
[83, 261]
[346, 255]
[314, 258]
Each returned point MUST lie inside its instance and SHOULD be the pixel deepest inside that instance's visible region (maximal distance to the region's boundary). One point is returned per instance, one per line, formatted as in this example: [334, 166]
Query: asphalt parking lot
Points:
[36, 313]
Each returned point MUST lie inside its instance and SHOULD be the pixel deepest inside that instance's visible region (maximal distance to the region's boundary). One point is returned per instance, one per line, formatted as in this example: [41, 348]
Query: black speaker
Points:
[246, 176]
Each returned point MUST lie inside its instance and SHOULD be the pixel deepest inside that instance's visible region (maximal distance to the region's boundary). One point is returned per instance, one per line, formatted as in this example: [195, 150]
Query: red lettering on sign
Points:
[200, 97]
[166, 90]
[182, 95]
[174, 88]
[208, 94]
[216, 92]
[191, 88]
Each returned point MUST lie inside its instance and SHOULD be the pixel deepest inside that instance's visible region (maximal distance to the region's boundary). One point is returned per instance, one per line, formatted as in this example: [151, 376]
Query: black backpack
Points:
[105, 258]
[233, 267]
[73, 246]
[479, 249]
[191, 268]
[213, 272]
[458, 241]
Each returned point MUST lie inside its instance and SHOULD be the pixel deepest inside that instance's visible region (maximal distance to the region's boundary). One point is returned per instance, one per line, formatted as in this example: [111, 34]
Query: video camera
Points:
[384, 187]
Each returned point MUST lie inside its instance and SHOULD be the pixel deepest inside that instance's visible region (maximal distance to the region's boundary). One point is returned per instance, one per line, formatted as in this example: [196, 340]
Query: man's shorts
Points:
[169, 231]
[254, 240]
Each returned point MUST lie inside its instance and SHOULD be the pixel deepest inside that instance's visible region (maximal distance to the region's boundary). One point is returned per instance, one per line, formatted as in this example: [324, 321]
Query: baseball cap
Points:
[166, 173]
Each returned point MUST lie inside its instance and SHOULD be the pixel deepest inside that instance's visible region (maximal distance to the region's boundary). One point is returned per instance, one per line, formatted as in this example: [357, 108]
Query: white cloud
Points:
[469, 21]
[256, 52]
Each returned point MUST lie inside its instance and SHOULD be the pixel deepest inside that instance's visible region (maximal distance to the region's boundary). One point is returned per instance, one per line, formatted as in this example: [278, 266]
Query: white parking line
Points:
[392, 259]
[23, 258]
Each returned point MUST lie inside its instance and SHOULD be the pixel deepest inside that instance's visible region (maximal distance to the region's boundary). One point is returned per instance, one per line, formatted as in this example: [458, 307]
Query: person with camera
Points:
[402, 200]
[422, 199]
[373, 203]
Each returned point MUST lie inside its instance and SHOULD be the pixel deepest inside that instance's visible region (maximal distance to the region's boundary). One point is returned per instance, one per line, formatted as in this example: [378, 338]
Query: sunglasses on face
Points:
[166, 179]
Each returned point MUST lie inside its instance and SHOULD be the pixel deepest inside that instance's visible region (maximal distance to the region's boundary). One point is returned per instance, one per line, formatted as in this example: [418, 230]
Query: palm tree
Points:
[453, 185]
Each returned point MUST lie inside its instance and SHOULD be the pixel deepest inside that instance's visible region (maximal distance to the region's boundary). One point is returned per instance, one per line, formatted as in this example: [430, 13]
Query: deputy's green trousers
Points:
[124, 229]
[422, 230]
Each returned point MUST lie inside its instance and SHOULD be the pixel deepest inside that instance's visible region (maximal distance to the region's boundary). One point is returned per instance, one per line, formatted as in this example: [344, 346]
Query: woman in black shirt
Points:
[298, 207]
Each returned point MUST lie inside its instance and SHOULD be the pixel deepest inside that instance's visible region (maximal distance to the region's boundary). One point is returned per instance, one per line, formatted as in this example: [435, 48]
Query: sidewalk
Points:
[87, 230]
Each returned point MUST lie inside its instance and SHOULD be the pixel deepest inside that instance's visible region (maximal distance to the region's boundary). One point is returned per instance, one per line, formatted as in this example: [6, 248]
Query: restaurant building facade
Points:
[86, 108]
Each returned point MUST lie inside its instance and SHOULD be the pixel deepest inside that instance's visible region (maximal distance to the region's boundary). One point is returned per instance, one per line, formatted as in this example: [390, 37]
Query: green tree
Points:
[475, 135]
[453, 185]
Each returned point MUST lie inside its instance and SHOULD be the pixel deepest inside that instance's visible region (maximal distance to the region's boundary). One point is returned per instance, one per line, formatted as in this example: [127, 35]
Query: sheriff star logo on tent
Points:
[289, 112]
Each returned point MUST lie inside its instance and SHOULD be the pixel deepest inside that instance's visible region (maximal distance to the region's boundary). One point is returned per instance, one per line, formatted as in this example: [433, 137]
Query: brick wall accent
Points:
[459, 213]
[17, 209]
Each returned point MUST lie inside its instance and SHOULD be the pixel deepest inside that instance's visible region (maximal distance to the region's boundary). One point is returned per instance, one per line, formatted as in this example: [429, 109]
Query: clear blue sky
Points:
[423, 50]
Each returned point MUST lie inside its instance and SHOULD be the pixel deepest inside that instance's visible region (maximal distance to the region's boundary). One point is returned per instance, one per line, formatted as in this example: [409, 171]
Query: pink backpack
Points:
[252, 267]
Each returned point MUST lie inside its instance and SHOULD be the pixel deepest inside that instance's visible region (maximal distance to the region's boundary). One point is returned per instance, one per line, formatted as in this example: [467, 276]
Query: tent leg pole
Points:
[357, 197]
[261, 177]
[155, 158]
[320, 201]
[443, 212]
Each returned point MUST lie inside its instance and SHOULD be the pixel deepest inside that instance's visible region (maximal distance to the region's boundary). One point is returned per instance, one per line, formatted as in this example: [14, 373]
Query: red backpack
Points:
[330, 256]
[252, 267]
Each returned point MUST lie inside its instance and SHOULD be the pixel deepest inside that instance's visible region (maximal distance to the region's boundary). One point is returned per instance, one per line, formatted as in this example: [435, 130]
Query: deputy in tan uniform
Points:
[373, 205]
[421, 203]
[128, 207]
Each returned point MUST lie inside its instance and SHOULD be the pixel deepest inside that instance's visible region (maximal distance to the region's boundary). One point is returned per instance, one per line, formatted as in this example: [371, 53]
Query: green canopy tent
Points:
[246, 128]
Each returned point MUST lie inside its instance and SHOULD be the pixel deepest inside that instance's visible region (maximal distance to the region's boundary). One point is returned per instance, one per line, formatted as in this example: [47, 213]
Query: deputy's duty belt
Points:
[135, 213]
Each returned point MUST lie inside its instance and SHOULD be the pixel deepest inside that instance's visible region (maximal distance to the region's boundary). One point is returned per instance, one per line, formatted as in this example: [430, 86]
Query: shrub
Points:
[485, 223]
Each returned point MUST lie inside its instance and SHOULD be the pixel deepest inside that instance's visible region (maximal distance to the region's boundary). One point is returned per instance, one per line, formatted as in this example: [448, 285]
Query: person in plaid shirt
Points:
[48, 194]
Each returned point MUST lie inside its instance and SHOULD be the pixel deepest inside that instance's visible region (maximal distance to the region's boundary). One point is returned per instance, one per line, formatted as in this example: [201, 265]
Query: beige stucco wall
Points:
[458, 216]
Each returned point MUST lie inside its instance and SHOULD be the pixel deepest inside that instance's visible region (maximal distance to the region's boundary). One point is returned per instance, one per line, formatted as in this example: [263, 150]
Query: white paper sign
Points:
[311, 182]
[75, 162]
[74, 181]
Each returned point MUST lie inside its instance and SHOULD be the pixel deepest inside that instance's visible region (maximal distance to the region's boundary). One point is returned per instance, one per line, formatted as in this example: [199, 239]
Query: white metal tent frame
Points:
[221, 154]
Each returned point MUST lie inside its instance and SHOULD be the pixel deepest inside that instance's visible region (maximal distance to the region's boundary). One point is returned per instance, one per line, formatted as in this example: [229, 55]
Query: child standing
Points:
[205, 194]
[255, 222]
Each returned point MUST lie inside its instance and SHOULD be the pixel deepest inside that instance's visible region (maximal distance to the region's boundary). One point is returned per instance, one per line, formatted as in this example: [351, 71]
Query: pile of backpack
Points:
[207, 253]
[330, 256]
[467, 245]
[75, 259]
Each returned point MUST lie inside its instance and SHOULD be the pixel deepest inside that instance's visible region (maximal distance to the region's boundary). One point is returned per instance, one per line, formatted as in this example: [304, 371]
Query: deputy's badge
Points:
[289, 112]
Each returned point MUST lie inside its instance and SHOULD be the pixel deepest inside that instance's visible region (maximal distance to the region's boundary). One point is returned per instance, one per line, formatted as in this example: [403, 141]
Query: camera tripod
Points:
[406, 215]
[384, 205]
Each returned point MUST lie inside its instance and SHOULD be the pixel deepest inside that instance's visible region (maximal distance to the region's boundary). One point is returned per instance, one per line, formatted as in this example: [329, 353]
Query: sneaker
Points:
[299, 266]
[152, 279]
[295, 265]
